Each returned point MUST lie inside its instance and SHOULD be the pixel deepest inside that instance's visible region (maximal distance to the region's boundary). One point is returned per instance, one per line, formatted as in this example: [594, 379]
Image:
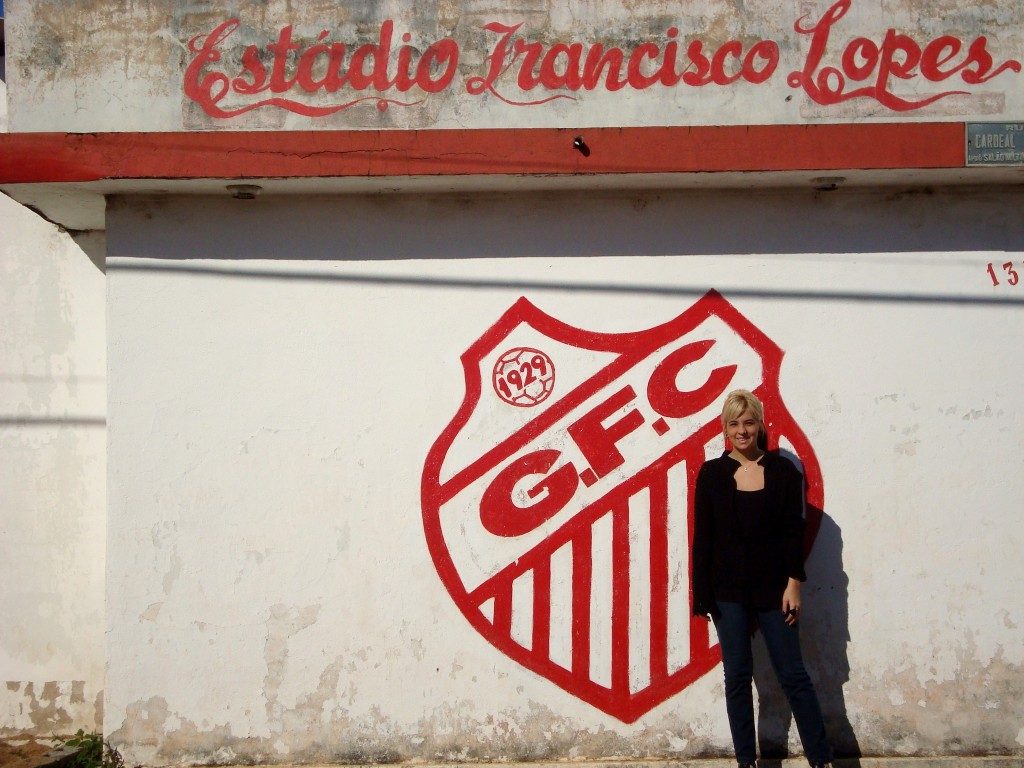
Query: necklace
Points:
[745, 465]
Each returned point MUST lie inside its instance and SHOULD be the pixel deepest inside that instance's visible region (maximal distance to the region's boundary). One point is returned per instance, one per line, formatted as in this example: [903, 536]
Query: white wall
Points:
[52, 477]
[280, 368]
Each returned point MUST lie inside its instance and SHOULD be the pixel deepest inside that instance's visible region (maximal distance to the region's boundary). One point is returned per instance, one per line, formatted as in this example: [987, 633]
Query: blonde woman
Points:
[747, 570]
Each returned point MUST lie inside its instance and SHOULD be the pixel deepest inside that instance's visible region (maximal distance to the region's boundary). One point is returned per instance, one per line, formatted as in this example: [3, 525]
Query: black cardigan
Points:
[731, 566]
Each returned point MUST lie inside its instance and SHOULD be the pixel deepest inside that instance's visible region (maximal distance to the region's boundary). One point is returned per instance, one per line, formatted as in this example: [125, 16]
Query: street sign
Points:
[995, 144]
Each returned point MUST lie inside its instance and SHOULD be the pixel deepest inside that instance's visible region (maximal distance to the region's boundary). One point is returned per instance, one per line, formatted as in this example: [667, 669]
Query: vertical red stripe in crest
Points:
[582, 564]
[503, 608]
[699, 637]
[659, 577]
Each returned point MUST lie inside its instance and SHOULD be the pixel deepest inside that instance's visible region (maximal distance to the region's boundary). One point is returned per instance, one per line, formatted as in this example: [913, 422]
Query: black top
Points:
[749, 510]
[746, 546]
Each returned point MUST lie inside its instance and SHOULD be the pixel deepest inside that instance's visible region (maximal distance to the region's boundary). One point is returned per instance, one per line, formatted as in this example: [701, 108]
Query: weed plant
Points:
[93, 751]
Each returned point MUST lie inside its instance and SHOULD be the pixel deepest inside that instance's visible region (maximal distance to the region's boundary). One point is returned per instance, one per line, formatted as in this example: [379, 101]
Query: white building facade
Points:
[53, 475]
[418, 324]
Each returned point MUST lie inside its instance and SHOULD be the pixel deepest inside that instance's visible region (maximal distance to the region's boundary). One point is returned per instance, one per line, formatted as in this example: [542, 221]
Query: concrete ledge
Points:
[31, 158]
[986, 761]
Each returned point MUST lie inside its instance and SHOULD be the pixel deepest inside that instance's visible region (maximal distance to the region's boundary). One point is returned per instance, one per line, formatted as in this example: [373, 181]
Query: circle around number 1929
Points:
[523, 377]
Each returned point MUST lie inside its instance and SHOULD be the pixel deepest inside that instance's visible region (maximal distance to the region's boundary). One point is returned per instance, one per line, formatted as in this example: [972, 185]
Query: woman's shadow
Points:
[824, 635]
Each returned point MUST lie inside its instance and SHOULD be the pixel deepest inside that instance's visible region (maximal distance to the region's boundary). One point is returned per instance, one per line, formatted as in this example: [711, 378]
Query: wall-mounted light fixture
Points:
[581, 146]
[827, 183]
[244, 191]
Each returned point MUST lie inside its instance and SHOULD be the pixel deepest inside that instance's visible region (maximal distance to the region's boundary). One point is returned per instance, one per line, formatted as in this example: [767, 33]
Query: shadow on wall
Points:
[824, 635]
[797, 226]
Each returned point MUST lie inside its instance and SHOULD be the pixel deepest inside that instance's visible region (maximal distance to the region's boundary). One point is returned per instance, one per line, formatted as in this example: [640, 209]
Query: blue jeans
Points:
[783, 643]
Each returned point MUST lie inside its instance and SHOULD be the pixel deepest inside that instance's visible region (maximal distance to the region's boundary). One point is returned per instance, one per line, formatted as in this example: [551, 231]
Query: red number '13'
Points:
[1012, 277]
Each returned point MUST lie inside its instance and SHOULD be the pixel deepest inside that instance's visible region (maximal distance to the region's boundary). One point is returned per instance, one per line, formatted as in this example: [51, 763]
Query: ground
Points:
[30, 753]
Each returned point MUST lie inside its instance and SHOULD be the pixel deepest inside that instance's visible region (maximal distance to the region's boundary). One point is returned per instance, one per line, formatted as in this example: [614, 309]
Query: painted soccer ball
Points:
[524, 377]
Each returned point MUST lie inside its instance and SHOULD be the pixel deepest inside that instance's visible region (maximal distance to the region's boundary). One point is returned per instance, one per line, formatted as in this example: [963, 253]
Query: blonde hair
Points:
[738, 401]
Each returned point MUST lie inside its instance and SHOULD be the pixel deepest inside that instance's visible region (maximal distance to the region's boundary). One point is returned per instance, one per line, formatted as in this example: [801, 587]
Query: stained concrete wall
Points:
[88, 65]
[52, 477]
[283, 374]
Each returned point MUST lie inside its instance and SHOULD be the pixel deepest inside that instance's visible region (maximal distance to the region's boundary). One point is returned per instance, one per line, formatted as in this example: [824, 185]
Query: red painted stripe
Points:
[582, 567]
[700, 638]
[699, 627]
[503, 610]
[542, 609]
[659, 578]
[620, 601]
[67, 157]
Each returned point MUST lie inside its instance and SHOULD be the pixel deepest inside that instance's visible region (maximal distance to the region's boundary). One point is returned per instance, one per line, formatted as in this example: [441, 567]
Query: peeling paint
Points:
[447, 735]
[173, 572]
[952, 717]
[46, 708]
[283, 624]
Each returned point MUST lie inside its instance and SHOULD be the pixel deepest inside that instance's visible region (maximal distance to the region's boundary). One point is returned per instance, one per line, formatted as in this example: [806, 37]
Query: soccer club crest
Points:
[558, 503]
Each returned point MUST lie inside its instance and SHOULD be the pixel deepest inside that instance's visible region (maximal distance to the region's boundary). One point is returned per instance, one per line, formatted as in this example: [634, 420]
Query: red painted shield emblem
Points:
[557, 504]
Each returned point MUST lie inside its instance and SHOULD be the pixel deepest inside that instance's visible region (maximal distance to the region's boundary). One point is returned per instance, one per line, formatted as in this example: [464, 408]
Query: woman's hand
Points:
[791, 602]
